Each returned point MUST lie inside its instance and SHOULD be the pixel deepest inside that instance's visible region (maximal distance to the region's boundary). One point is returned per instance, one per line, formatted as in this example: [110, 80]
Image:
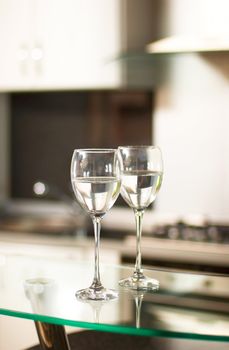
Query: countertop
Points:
[162, 249]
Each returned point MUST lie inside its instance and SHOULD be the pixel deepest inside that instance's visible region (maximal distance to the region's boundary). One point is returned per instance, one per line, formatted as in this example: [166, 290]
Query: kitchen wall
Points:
[191, 114]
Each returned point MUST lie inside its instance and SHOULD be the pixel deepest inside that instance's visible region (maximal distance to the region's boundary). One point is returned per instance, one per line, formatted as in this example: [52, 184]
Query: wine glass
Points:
[141, 175]
[95, 176]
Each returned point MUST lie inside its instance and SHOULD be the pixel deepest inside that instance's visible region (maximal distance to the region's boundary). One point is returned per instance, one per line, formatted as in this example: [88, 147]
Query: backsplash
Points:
[47, 126]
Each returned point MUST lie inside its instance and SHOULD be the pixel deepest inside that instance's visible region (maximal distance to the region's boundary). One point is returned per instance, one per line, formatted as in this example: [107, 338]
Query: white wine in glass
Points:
[95, 176]
[141, 175]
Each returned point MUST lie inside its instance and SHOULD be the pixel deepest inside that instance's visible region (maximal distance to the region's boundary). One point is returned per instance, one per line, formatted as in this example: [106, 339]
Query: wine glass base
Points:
[96, 294]
[140, 282]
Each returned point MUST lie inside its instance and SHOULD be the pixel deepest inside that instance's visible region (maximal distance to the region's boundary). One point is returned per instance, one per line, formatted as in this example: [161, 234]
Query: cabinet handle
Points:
[37, 53]
[23, 53]
[23, 59]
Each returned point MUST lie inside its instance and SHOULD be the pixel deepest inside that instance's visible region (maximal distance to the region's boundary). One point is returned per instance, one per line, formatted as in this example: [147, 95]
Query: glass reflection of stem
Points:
[96, 311]
[138, 302]
[96, 306]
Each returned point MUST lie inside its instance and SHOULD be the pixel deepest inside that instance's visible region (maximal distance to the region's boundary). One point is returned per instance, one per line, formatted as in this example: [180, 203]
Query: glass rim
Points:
[95, 150]
[140, 146]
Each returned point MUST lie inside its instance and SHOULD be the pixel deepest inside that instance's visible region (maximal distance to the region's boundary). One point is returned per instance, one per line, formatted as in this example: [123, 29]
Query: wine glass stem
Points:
[138, 218]
[97, 226]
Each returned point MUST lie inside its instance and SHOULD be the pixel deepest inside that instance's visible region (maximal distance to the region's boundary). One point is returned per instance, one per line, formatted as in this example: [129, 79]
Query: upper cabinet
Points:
[72, 44]
[80, 44]
[49, 44]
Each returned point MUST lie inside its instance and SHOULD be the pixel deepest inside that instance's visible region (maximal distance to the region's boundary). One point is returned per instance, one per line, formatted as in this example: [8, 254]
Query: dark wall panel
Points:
[47, 126]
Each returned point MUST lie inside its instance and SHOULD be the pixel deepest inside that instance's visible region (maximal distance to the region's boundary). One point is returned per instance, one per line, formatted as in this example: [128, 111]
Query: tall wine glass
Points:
[141, 174]
[95, 176]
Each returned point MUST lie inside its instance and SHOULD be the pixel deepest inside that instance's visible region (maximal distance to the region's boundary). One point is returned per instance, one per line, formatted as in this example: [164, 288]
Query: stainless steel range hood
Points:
[188, 44]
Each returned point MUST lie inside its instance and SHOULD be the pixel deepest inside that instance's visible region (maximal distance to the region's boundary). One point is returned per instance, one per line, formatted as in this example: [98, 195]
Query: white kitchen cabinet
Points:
[49, 44]
[14, 41]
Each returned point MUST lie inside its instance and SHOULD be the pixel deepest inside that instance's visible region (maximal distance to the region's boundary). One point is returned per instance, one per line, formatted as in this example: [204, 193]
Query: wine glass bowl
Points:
[95, 177]
[141, 175]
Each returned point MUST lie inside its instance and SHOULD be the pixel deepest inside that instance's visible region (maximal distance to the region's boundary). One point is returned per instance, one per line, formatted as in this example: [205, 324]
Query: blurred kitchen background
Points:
[101, 73]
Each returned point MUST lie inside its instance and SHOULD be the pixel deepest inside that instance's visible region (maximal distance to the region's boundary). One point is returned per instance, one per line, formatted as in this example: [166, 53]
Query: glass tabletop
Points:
[191, 306]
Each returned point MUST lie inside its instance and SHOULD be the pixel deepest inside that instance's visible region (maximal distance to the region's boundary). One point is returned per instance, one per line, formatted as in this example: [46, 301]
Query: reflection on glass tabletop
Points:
[186, 305]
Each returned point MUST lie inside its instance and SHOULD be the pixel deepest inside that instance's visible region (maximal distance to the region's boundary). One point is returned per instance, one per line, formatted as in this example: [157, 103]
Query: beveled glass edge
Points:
[114, 328]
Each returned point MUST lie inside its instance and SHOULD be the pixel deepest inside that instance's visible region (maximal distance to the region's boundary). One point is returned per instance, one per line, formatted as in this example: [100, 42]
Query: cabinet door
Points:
[48, 44]
[14, 44]
[77, 39]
